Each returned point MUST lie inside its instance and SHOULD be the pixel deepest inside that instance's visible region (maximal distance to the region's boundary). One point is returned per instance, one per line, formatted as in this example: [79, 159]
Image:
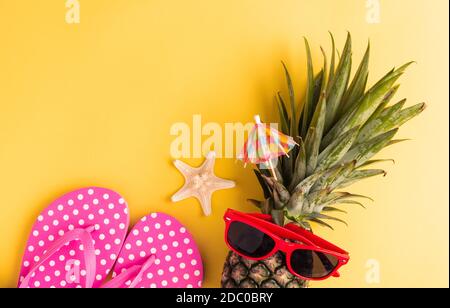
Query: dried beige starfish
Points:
[200, 182]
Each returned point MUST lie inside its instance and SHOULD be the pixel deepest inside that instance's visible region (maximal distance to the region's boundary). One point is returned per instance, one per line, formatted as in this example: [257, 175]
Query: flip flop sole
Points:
[101, 208]
[177, 264]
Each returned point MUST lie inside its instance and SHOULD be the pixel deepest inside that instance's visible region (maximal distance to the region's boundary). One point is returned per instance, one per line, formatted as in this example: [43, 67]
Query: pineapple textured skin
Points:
[272, 272]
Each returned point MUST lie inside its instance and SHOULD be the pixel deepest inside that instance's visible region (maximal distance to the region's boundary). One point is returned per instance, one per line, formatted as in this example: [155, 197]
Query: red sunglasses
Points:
[255, 237]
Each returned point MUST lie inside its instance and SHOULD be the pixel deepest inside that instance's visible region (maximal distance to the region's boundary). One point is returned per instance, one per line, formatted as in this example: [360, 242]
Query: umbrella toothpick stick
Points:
[264, 148]
[272, 170]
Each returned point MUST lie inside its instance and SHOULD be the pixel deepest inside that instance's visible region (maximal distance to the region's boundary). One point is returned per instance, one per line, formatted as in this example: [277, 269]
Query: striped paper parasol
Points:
[265, 144]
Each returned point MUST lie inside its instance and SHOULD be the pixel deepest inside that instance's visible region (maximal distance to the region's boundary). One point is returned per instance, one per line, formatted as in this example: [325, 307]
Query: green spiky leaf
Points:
[293, 128]
[395, 141]
[346, 201]
[284, 116]
[306, 115]
[386, 100]
[358, 86]
[300, 166]
[337, 149]
[314, 136]
[392, 117]
[339, 196]
[333, 209]
[298, 201]
[332, 177]
[376, 161]
[339, 83]
[319, 222]
[363, 110]
[364, 151]
[323, 216]
[332, 63]
[306, 185]
[381, 124]
[359, 175]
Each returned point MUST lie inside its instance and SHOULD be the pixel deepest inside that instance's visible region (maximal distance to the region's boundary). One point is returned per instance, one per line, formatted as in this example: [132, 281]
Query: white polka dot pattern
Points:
[178, 262]
[79, 209]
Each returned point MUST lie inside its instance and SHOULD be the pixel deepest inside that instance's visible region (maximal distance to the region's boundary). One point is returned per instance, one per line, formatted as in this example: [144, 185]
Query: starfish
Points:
[200, 182]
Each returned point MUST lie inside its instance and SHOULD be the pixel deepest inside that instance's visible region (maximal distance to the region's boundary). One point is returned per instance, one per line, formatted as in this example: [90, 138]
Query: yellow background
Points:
[92, 104]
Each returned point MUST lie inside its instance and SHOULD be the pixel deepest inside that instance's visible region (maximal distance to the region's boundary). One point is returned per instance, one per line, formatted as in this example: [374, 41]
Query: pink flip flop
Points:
[158, 253]
[75, 241]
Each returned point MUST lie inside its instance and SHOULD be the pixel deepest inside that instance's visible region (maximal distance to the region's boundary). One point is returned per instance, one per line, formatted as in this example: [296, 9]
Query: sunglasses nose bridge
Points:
[284, 246]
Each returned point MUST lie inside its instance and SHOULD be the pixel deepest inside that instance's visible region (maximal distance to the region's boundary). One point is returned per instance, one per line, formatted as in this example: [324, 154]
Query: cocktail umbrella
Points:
[265, 144]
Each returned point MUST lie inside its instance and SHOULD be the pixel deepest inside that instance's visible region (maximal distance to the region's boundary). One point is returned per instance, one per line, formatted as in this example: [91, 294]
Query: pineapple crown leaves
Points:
[339, 125]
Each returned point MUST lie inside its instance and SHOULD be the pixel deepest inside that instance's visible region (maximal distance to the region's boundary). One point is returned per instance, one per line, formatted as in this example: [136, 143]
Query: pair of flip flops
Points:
[81, 240]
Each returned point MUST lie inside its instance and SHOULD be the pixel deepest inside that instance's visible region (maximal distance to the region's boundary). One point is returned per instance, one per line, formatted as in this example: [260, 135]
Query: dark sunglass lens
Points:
[249, 241]
[313, 264]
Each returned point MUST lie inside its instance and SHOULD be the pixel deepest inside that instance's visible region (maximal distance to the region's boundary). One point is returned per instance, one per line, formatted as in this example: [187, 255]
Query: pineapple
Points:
[339, 126]
[272, 272]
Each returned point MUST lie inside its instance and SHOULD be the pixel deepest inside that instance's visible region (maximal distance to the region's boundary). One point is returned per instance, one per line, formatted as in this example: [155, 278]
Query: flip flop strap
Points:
[136, 271]
[84, 235]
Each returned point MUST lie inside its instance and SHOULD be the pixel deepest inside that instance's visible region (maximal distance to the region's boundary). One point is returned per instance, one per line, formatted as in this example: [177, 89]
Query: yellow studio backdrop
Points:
[92, 103]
